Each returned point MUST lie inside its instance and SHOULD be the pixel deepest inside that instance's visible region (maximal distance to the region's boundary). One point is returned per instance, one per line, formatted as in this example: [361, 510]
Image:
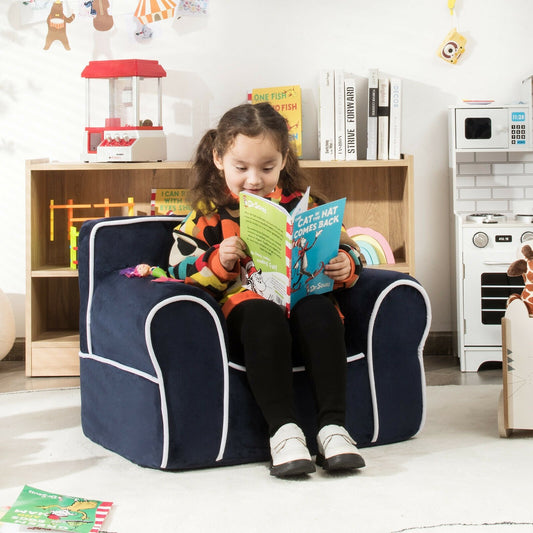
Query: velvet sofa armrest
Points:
[147, 347]
[372, 294]
[118, 242]
[105, 246]
[387, 318]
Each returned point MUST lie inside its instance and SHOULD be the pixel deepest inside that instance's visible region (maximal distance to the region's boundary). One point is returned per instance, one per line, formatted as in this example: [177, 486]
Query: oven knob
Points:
[480, 239]
[527, 236]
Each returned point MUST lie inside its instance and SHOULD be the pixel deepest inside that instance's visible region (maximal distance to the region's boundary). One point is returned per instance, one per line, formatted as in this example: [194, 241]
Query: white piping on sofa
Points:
[119, 366]
[370, 356]
[349, 359]
[222, 343]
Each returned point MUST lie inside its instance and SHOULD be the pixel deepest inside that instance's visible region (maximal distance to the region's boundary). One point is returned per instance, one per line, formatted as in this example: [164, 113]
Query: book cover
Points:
[395, 119]
[383, 118]
[340, 150]
[350, 118]
[290, 250]
[169, 202]
[372, 128]
[326, 118]
[287, 100]
[35, 508]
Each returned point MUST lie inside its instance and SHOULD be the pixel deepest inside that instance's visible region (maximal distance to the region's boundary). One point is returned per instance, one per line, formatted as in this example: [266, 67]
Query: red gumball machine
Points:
[123, 111]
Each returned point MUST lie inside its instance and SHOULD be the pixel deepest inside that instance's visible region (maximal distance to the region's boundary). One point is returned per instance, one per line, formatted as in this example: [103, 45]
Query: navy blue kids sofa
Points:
[158, 385]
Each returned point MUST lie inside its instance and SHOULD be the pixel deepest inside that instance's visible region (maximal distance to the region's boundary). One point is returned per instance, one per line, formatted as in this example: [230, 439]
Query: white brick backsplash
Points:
[520, 156]
[492, 206]
[508, 193]
[475, 194]
[491, 181]
[466, 181]
[494, 182]
[521, 206]
[489, 157]
[508, 168]
[520, 180]
[465, 157]
[474, 168]
[465, 206]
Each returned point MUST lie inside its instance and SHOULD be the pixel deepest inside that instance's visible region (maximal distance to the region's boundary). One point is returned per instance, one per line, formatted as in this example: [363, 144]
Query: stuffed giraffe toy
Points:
[524, 267]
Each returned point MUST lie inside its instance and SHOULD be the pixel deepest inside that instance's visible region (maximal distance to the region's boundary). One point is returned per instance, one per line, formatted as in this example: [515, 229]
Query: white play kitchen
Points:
[491, 175]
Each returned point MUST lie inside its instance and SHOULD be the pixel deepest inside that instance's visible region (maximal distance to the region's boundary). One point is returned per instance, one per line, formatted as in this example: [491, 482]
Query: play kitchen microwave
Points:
[491, 127]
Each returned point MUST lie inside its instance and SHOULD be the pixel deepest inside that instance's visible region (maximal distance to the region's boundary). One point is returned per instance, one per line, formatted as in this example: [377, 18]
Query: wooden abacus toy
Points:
[72, 232]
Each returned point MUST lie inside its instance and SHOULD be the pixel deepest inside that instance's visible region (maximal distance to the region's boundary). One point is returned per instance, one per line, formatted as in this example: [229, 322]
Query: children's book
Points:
[169, 202]
[36, 509]
[326, 118]
[290, 250]
[350, 120]
[287, 101]
[372, 125]
[395, 123]
[340, 110]
[383, 118]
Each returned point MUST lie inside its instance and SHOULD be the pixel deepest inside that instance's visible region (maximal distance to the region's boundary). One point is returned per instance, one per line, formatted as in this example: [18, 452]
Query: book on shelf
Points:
[326, 115]
[350, 118]
[372, 124]
[383, 118]
[169, 202]
[287, 100]
[337, 116]
[395, 119]
[38, 509]
[289, 250]
[340, 152]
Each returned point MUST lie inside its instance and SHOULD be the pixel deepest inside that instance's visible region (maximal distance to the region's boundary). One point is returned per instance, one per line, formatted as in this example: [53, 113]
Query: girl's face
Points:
[251, 164]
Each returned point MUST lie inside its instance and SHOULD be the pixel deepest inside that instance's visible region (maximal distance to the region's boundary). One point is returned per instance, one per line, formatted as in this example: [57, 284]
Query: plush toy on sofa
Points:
[524, 268]
[143, 270]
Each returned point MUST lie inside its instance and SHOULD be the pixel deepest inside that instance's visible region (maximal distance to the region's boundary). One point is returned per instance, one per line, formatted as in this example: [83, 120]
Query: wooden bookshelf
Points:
[379, 195]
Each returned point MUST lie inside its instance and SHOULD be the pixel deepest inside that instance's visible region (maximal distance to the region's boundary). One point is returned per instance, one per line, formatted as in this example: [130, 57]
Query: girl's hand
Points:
[339, 268]
[230, 251]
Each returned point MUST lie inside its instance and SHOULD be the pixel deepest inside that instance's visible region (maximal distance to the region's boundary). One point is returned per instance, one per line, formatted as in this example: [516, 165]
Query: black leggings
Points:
[262, 338]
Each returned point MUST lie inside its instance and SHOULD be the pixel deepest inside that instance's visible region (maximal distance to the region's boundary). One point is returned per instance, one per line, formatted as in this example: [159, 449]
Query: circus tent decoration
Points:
[154, 10]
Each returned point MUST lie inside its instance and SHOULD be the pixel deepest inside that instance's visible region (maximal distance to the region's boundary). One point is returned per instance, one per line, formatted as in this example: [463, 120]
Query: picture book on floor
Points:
[290, 250]
[36, 509]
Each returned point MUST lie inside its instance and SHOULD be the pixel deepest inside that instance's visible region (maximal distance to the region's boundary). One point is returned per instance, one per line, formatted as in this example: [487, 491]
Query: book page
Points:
[302, 205]
[264, 230]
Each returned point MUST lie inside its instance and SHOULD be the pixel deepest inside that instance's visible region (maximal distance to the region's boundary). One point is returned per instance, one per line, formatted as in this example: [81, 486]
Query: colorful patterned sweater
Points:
[195, 255]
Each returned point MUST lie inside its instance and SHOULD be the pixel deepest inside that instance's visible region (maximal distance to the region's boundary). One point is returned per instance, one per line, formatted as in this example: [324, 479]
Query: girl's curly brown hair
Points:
[209, 190]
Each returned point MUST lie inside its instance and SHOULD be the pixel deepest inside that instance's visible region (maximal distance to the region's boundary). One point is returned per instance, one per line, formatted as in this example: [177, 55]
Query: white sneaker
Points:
[290, 456]
[337, 450]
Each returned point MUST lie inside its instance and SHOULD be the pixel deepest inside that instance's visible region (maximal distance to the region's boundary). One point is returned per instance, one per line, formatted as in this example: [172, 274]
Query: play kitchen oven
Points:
[490, 243]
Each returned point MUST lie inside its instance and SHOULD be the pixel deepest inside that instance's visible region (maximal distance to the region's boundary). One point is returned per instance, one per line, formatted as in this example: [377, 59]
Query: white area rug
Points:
[457, 475]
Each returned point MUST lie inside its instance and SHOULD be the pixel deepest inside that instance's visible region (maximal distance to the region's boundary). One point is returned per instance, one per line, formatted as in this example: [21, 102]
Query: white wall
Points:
[211, 63]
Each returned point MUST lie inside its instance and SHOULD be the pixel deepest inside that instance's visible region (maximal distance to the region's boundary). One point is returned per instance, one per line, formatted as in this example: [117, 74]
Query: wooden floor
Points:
[439, 369]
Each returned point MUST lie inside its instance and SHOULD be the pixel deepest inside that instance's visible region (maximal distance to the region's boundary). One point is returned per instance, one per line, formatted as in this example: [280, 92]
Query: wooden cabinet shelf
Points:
[379, 195]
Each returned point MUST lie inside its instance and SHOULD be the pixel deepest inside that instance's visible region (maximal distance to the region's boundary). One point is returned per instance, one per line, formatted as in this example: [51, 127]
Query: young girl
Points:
[250, 151]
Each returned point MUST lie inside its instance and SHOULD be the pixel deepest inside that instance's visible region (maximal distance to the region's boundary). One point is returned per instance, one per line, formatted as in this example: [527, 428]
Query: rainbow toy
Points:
[375, 248]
